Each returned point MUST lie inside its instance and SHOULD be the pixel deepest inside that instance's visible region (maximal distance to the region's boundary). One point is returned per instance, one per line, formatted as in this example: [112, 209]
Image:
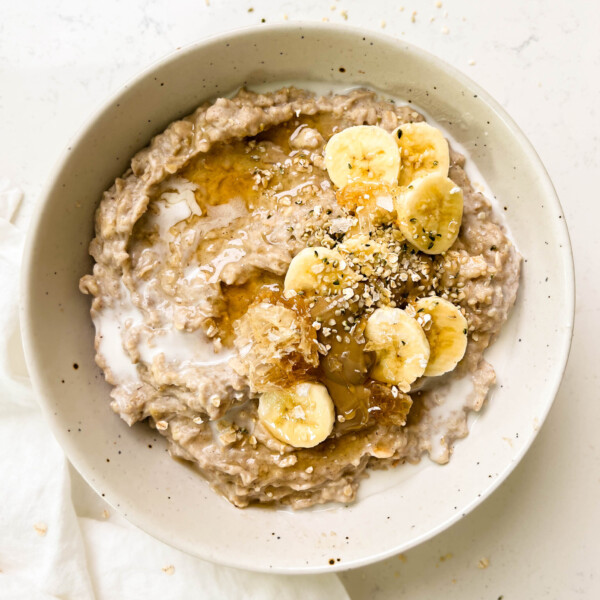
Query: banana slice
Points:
[366, 254]
[423, 150]
[363, 153]
[430, 212]
[302, 416]
[363, 247]
[446, 331]
[366, 195]
[319, 270]
[400, 345]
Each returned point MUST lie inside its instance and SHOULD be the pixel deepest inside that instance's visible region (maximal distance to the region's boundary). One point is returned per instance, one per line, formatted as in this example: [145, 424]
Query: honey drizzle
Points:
[228, 171]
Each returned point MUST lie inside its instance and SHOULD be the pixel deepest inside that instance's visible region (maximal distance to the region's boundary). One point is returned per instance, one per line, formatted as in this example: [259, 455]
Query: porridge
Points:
[285, 286]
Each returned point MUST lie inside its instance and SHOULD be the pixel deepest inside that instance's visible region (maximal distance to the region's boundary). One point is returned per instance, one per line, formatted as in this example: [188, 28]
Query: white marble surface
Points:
[541, 530]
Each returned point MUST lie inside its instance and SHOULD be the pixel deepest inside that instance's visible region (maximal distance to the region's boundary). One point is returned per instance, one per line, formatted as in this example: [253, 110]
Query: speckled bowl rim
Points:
[35, 362]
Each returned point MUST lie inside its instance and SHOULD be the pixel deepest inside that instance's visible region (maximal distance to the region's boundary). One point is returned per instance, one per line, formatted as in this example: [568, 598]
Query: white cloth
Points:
[58, 539]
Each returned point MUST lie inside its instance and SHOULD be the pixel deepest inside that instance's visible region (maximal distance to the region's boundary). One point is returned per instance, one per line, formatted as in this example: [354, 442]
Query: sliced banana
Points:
[446, 331]
[363, 247]
[366, 254]
[363, 153]
[400, 345]
[302, 416]
[318, 270]
[423, 150]
[370, 196]
[430, 212]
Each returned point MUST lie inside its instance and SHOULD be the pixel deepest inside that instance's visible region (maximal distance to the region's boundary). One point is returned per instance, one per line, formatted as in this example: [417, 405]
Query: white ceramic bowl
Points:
[397, 509]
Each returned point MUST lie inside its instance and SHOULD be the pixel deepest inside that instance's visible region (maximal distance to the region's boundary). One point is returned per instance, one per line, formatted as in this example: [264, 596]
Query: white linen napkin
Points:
[58, 539]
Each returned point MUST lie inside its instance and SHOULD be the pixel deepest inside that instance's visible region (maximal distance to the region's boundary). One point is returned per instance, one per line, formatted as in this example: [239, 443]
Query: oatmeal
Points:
[285, 286]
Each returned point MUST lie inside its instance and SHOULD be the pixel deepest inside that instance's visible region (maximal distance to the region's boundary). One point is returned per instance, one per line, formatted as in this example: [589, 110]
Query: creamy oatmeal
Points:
[286, 285]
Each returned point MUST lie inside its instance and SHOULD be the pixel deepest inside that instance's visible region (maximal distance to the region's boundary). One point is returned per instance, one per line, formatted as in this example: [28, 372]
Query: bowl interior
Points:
[397, 509]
